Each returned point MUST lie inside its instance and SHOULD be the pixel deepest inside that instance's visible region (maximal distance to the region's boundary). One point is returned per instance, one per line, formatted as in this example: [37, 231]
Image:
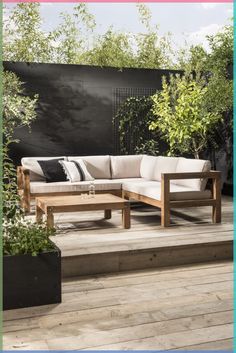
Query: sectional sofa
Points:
[164, 182]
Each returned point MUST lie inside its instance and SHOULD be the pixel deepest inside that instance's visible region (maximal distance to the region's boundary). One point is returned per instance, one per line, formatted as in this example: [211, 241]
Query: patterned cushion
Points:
[99, 167]
[76, 171]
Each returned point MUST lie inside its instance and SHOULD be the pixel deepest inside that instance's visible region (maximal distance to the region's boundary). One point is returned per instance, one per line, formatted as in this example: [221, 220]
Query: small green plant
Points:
[182, 115]
[23, 237]
[148, 147]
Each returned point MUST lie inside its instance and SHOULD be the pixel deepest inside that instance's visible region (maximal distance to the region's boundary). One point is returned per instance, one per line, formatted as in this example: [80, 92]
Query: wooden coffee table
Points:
[49, 205]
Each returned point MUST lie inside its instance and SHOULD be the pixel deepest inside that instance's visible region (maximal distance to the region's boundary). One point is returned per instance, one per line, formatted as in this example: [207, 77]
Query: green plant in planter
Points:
[19, 235]
[182, 115]
[133, 119]
[23, 237]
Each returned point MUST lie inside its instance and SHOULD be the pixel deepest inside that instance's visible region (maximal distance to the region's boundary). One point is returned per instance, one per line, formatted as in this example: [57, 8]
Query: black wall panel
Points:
[76, 106]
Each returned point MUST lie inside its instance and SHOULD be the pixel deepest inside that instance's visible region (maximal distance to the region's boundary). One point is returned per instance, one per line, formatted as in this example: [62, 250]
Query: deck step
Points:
[117, 260]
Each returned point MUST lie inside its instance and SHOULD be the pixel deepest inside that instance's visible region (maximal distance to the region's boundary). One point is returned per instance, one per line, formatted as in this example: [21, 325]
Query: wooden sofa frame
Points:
[165, 204]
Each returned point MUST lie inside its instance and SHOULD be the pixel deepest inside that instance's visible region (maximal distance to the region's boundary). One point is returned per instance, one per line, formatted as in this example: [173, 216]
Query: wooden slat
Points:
[217, 345]
[175, 340]
[91, 337]
[192, 175]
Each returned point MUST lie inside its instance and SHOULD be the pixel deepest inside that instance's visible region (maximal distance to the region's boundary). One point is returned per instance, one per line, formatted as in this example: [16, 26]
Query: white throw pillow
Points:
[147, 167]
[76, 171]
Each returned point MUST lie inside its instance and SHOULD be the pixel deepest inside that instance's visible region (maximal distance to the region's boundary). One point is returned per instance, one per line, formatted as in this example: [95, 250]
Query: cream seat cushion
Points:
[98, 166]
[126, 166]
[37, 187]
[152, 189]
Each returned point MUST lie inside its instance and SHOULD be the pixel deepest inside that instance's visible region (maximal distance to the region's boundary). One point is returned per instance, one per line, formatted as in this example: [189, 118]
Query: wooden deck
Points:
[188, 308]
[91, 244]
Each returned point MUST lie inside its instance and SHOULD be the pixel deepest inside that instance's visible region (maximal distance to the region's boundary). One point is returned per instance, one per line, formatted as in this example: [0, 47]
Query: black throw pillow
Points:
[53, 170]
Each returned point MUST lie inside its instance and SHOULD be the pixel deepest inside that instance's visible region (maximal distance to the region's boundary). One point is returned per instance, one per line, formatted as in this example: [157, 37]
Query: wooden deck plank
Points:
[222, 345]
[181, 307]
[175, 340]
[75, 337]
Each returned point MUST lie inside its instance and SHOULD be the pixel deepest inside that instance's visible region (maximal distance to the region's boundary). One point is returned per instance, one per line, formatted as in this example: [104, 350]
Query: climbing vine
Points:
[133, 119]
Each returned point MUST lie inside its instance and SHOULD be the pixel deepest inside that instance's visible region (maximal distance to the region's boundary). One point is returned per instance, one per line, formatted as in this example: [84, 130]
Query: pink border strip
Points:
[122, 1]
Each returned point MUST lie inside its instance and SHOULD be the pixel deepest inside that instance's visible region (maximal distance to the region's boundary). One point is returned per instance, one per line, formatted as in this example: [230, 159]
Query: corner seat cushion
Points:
[98, 166]
[192, 165]
[36, 172]
[152, 189]
[80, 186]
[126, 166]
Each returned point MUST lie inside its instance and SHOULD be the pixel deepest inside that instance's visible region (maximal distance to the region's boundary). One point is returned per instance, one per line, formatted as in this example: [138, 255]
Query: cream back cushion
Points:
[98, 166]
[192, 165]
[31, 163]
[147, 167]
[165, 165]
[126, 166]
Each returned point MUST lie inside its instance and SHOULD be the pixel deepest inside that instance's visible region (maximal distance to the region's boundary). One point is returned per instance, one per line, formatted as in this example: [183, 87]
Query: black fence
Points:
[76, 108]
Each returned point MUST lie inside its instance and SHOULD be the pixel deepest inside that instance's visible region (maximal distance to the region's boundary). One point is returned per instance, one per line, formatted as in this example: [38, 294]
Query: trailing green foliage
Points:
[181, 114]
[18, 110]
[22, 237]
[19, 236]
[133, 119]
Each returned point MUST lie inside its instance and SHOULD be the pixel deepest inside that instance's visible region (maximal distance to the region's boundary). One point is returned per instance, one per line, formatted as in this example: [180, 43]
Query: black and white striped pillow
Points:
[76, 171]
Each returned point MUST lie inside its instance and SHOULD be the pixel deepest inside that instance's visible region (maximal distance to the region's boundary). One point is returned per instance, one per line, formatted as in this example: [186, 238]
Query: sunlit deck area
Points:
[91, 244]
[143, 288]
[188, 308]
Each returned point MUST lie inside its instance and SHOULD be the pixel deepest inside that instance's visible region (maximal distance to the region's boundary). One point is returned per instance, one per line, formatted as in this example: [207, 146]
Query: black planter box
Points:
[31, 280]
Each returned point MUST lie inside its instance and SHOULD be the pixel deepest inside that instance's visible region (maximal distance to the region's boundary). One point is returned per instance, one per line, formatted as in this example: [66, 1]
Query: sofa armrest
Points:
[23, 183]
[22, 174]
[213, 174]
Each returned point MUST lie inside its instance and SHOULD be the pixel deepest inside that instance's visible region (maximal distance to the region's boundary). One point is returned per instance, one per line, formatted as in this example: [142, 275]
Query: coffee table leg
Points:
[50, 217]
[39, 214]
[126, 217]
[107, 214]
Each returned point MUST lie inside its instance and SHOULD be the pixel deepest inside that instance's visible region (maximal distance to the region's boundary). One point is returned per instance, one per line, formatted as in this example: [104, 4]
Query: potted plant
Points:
[31, 265]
